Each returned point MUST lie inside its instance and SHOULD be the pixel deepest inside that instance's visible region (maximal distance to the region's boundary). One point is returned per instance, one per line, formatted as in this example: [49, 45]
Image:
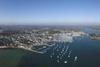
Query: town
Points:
[34, 39]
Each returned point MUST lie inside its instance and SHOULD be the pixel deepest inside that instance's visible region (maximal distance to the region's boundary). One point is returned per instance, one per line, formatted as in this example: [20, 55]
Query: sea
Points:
[82, 52]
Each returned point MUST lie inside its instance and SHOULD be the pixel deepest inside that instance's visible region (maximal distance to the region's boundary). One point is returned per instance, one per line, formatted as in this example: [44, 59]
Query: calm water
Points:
[82, 52]
[86, 51]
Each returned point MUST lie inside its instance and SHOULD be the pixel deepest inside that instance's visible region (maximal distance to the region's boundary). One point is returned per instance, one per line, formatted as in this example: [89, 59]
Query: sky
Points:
[49, 12]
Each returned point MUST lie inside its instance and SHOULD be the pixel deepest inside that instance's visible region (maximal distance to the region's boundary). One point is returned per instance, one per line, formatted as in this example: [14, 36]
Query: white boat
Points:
[69, 53]
[58, 61]
[65, 62]
[75, 59]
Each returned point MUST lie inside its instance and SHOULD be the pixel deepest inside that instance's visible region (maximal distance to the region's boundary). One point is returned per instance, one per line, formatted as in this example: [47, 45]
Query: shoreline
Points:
[5, 47]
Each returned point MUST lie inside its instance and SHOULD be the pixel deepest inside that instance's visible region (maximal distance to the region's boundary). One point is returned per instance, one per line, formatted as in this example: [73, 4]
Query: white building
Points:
[63, 37]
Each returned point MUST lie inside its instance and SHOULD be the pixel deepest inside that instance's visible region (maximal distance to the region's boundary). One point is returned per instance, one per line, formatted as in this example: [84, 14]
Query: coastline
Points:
[5, 47]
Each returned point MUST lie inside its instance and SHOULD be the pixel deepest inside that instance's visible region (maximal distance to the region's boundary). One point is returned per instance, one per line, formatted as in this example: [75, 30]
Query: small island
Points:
[95, 36]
